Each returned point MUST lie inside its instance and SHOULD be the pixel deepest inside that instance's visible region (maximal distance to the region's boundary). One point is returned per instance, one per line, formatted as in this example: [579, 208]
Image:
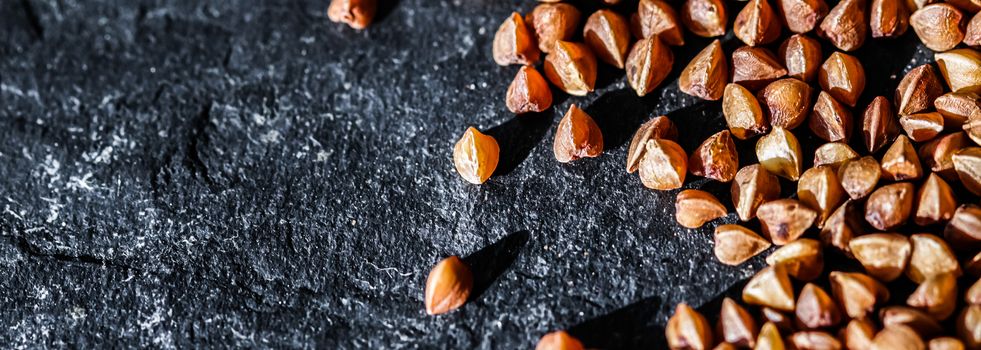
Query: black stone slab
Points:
[247, 173]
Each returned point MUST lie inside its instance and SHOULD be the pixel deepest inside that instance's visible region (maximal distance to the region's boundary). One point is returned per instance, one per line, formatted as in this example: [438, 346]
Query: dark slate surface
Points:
[246, 173]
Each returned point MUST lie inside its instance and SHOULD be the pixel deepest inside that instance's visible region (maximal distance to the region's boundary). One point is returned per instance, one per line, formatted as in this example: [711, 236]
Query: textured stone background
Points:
[246, 173]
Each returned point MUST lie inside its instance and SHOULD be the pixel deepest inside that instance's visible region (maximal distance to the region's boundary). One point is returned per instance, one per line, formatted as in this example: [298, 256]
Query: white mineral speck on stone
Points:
[51, 165]
[102, 156]
[270, 137]
[77, 313]
[75, 182]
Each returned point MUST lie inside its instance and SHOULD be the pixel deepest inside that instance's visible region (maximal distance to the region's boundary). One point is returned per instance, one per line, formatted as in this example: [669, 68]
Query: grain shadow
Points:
[697, 122]
[490, 262]
[634, 326]
[712, 308]
[607, 75]
[887, 60]
[517, 137]
[385, 8]
[618, 116]
[630, 327]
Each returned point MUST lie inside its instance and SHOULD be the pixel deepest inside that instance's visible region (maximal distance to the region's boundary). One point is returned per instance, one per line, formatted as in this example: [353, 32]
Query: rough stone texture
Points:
[246, 173]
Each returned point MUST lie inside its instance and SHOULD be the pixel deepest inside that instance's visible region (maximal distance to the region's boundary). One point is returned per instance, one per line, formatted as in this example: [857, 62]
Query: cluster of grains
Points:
[904, 205]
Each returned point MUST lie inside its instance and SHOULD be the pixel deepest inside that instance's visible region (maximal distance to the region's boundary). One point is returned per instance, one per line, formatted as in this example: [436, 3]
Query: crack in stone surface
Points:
[25, 246]
[32, 19]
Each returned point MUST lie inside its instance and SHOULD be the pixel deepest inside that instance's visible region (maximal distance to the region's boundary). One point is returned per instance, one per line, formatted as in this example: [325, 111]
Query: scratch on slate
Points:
[25, 246]
[193, 158]
[389, 270]
[32, 19]
[141, 13]
[159, 92]
[227, 60]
